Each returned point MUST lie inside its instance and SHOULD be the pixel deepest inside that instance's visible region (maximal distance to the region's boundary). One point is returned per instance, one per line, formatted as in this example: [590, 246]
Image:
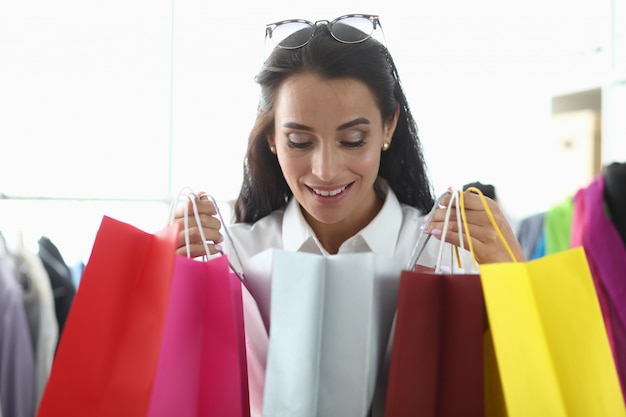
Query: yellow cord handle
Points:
[491, 219]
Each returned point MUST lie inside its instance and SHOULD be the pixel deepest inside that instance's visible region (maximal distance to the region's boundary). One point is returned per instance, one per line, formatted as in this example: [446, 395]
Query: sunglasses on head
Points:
[295, 33]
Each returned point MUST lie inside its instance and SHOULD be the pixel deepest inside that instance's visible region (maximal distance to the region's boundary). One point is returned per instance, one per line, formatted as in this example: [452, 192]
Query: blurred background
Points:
[111, 107]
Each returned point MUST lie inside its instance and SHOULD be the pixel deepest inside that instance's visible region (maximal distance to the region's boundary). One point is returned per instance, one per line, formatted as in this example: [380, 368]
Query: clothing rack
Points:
[36, 292]
[4, 196]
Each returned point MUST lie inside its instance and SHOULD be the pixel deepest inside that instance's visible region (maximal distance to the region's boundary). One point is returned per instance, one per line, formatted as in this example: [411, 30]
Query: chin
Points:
[326, 215]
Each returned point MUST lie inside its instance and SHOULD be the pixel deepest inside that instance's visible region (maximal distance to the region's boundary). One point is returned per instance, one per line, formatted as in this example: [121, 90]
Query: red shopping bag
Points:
[437, 354]
[108, 353]
[202, 365]
[436, 367]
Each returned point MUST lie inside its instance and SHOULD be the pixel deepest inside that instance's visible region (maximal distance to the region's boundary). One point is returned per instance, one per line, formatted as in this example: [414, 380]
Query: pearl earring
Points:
[386, 146]
[273, 149]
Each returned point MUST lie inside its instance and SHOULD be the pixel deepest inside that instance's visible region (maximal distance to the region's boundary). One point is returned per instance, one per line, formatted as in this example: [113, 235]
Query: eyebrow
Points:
[355, 122]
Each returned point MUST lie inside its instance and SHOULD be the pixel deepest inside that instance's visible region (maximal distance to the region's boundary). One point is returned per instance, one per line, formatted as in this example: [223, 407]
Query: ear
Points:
[271, 143]
[390, 126]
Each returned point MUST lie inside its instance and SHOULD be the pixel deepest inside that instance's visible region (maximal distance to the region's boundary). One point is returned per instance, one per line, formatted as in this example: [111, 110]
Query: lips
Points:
[329, 192]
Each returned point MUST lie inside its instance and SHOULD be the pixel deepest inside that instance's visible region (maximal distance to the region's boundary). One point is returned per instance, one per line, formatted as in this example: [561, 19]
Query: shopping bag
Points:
[436, 364]
[202, 363]
[108, 352]
[550, 342]
[329, 322]
[436, 361]
[551, 347]
[212, 359]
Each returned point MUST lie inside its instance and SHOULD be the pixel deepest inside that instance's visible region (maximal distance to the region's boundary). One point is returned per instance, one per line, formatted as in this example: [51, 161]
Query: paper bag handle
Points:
[454, 196]
[192, 198]
[419, 246]
[491, 219]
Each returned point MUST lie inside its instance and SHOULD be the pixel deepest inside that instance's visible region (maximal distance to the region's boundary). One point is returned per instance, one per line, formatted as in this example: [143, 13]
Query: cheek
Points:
[293, 167]
[367, 164]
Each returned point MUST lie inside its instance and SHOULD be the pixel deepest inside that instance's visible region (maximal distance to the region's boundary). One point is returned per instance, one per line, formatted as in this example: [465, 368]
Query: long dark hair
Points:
[264, 188]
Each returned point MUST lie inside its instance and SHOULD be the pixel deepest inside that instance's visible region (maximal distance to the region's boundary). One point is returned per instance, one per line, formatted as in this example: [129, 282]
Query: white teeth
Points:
[329, 193]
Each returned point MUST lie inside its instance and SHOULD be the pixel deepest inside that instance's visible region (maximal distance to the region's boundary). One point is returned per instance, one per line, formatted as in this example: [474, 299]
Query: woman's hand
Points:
[486, 244]
[209, 223]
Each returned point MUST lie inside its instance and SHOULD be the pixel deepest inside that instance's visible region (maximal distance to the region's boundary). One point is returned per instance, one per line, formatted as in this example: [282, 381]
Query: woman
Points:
[334, 162]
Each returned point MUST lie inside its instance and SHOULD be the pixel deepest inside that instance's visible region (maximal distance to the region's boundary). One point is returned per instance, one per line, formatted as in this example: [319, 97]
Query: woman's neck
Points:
[615, 195]
[332, 236]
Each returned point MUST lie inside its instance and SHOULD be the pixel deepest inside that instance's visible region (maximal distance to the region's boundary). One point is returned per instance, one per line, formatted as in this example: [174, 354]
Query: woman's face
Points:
[328, 136]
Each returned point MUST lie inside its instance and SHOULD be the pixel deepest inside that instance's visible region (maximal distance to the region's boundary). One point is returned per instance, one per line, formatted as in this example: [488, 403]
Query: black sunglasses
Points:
[295, 33]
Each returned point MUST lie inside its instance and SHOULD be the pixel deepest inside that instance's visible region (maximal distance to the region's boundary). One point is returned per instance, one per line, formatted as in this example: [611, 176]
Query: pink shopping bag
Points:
[202, 364]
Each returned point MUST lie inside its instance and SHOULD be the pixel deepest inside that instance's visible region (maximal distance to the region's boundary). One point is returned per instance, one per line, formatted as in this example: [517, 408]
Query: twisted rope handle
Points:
[192, 197]
[420, 246]
[491, 219]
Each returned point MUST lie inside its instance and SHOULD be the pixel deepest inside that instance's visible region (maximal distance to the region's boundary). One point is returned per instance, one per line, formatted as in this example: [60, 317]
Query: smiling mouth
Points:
[330, 193]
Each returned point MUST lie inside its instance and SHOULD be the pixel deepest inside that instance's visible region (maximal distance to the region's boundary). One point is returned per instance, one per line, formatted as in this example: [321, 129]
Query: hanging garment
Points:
[60, 279]
[607, 260]
[557, 226]
[529, 233]
[17, 360]
[45, 330]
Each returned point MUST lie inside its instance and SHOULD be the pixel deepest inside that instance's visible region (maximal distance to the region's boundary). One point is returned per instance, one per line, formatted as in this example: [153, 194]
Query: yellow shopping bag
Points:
[551, 347]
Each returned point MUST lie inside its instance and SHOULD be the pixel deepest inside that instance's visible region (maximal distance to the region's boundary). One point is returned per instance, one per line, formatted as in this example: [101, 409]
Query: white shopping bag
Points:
[329, 319]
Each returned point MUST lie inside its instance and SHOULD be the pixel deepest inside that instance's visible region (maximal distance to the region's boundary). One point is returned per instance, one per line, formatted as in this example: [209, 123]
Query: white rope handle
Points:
[454, 197]
[420, 244]
[226, 232]
[419, 249]
[192, 197]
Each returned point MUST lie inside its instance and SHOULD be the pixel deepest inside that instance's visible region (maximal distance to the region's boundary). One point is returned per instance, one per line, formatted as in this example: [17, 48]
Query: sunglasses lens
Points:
[292, 35]
[352, 29]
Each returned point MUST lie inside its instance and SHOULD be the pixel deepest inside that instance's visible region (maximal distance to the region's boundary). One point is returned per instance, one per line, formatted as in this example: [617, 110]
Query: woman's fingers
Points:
[205, 227]
[197, 249]
[204, 207]
[486, 243]
[210, 229]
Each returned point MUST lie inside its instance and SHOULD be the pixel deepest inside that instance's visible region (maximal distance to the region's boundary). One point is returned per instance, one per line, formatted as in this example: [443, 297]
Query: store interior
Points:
[111, 108]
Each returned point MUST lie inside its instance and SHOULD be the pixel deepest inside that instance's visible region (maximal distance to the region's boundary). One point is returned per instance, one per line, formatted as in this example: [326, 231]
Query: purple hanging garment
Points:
[607, 258]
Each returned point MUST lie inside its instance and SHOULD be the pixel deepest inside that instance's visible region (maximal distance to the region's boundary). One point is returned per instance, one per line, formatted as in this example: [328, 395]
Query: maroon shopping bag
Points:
[436, 367]
[202, 367]
[108, 352]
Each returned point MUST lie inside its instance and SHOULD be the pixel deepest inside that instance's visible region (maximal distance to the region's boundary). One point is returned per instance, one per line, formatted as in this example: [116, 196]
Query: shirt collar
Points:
[381, 234]
[296, 231]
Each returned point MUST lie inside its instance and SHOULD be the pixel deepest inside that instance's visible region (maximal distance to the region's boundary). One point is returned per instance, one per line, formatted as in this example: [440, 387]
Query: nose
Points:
[325, 162]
